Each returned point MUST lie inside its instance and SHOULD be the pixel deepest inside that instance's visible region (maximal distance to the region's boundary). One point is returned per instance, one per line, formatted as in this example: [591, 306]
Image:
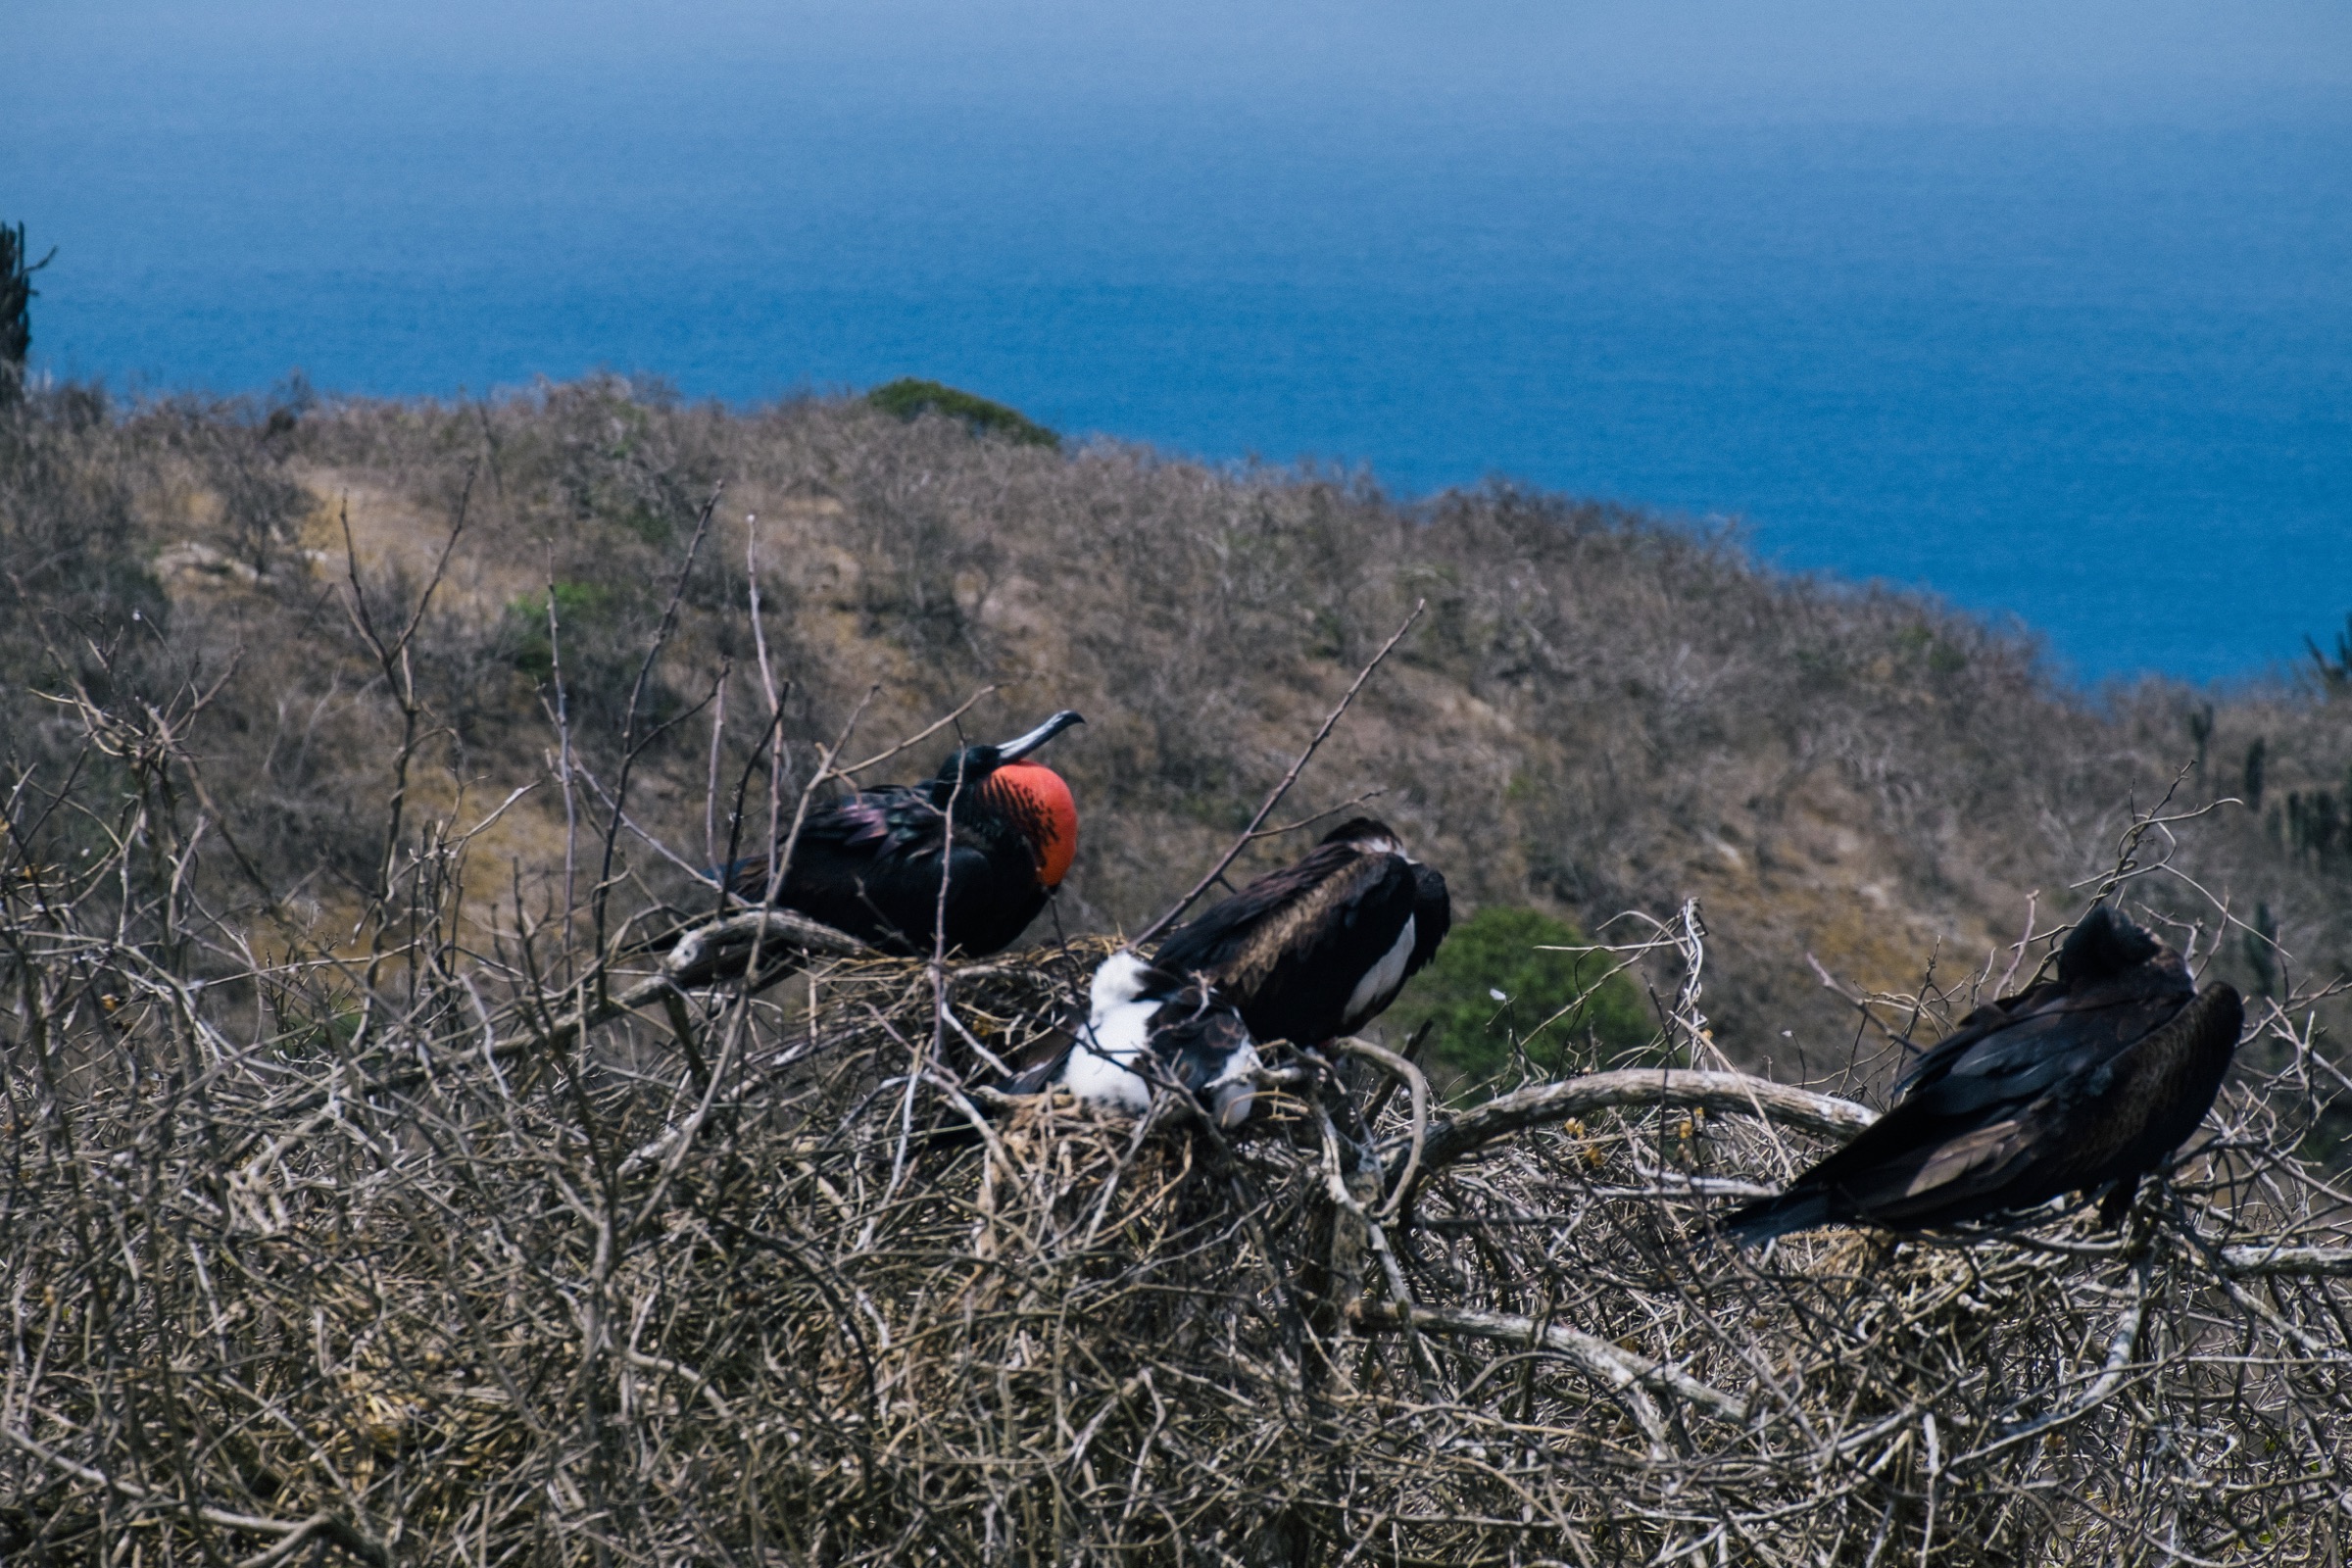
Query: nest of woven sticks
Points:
[777, 1277]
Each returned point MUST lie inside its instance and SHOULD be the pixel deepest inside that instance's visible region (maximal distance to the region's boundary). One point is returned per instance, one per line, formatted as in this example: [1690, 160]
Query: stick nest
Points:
[768, 1279]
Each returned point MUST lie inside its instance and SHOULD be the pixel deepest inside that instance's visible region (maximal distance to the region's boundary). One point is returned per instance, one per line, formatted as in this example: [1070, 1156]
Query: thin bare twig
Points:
[1274, 798]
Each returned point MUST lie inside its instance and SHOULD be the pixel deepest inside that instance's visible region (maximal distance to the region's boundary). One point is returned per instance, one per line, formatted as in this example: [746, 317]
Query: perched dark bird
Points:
[1145, 1027]
[869, 865]
[1318, 948]
[2079, 1083]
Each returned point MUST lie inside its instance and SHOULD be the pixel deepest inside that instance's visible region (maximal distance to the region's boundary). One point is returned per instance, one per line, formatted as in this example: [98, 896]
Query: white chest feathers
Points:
[1381, 981]
[1137, 1021]
[1110, 1047]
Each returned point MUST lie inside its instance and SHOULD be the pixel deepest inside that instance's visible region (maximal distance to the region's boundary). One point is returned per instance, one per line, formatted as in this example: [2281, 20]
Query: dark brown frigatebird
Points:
[1317, 949]
[870, 864]
[1146, 1028]
[2083, 1082]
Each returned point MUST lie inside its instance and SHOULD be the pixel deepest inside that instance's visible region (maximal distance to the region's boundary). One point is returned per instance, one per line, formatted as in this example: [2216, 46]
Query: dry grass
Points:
[438, 1235]
[328, 1229]
[1598, 711]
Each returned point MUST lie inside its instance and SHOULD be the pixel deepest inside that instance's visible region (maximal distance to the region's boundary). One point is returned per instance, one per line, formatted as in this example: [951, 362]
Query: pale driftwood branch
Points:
[1401, 1069]
[779, 925]
[773, 929]
[2251, 1261]
[1613, 1364]
[750, 931]
[1726, 1092]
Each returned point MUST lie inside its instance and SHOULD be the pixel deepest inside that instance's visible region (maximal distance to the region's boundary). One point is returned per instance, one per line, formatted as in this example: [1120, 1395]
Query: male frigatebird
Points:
[1318, 948]
[2083, 1082]
[869, 865]
[1146, 1027]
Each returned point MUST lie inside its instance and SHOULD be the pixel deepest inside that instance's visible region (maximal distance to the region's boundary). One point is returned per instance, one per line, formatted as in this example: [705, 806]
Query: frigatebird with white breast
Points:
[2081, 1082]
[1318, 948]
[871, 864]
[1147, 1028]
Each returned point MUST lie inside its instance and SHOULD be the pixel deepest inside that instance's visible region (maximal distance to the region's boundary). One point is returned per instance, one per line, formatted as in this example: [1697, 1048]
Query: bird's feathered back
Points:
[2080, 1082]
[1321, 945]
[873, 865]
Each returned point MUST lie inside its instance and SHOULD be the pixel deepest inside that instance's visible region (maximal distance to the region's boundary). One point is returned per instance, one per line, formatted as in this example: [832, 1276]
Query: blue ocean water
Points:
[2093, 371]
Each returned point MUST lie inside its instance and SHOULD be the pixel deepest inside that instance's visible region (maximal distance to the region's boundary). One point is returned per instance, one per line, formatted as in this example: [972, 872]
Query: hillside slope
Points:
[1598, 710]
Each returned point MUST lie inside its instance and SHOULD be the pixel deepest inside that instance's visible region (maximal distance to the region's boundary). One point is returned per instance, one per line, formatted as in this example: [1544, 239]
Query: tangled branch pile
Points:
[429, 1251]
[350, 1211]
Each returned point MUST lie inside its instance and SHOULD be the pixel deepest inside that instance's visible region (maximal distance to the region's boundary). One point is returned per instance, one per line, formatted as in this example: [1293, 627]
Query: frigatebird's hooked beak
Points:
[1012, 750]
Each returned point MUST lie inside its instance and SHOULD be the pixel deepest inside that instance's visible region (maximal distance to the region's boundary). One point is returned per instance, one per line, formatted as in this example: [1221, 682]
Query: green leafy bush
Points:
[909, 397]
[578, 605]
[1490, 991]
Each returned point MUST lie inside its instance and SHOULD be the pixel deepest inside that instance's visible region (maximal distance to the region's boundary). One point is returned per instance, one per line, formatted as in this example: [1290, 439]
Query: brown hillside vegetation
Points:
[370, 1192]
[1596, 712]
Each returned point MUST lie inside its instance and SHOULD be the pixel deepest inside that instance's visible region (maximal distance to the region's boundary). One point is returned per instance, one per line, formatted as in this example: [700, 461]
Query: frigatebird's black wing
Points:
[1291, 948]
[1433, 918]
[2078, 1083]
[869, 865]
[2035, 1048]
[1040, 1066]
[1941, 1157]
[2094, 1114]
[1212, 940]
[849, 832]
[2115, 982]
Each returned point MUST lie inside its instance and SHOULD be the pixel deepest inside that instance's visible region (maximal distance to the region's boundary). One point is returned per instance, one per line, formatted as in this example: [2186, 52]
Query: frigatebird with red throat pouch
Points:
[870, 865]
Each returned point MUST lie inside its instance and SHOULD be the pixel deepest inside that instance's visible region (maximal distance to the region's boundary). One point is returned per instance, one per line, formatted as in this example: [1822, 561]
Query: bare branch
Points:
[1266, 808]
[1677, 1088]
[1620, 1368]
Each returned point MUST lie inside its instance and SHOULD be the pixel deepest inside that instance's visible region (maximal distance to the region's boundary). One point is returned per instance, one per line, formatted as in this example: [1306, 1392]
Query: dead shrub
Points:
[465, 1244]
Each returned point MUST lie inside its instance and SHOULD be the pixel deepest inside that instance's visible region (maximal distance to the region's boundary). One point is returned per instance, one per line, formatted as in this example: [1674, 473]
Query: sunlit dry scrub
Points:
[438, 1253]
[369, 1193]
[1598, 711]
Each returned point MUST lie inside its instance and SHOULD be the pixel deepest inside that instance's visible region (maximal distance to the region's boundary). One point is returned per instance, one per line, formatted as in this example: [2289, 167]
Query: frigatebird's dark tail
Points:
[1040, 1075]
[1755, 1223]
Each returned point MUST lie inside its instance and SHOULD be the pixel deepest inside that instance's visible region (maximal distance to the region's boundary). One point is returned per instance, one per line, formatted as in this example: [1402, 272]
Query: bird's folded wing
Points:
[1938, 1058]
[2030, 1055]
[1955, 1158]
[1207, 943]
[893, 812]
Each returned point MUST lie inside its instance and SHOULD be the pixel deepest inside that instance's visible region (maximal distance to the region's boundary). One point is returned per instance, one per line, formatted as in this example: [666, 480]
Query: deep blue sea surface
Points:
[2093, 371]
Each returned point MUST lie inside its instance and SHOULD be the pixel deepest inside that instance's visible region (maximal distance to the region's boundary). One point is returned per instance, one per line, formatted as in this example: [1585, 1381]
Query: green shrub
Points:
[909, 397]
[579, 605]
[1490, 991]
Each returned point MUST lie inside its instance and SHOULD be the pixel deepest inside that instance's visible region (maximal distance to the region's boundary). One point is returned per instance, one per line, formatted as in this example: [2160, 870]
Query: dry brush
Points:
[473, 1238]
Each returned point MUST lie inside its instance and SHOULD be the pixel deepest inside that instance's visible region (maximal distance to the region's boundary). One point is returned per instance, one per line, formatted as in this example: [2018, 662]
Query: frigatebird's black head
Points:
[1369, 831]
[969, 764]
[2104, 943]
[1001, 779]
